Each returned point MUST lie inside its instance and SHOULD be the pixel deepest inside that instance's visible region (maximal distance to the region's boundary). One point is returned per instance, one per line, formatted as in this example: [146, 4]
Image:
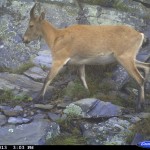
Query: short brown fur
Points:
[89, 44]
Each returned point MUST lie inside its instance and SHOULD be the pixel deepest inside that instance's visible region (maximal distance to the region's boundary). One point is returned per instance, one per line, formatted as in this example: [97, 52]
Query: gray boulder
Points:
[36, 73]
[3, 120]
[8, 111]
[20, 84]
[43, 59]
[33, 133]
[18, 120]
[14, 21]
[111, 132]
[94, 108]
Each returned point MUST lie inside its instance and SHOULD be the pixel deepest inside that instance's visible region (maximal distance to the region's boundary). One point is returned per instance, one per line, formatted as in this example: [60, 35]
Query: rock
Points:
[137, 117]
[144, 115]
[53, 116]
[143, 55]
[44, 61]
[36, 73]
[33, 133]
[106, 15]
[31, 113]
[94, 108]
[111, 132]
[137, 139]
[12, 32]
[18, 120]
[63, 104]
[132, 118]
[42, 106]
[53, 131]
[3, 120]
[39, 116]
[18, 108]
[13, 51]
[120, 77]
[60, 1]
[22, 85]
[4, 107]
[13, 111]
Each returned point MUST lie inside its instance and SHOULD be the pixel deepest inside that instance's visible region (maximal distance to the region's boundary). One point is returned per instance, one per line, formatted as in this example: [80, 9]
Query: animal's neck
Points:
[49, 33]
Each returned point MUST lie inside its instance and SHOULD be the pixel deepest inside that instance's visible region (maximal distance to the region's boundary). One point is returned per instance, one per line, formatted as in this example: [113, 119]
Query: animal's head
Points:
[34, 26]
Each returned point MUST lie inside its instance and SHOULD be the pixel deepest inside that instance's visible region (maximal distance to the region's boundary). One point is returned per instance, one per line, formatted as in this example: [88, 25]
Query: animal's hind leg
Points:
[144, 66]
[129, 65]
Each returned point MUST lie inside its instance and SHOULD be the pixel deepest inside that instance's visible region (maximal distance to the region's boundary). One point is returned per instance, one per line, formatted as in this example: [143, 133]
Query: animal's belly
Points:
[98, 60]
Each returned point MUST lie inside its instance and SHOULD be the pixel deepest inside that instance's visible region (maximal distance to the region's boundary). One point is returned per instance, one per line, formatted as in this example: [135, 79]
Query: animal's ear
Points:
[42, 16]
[32, 11]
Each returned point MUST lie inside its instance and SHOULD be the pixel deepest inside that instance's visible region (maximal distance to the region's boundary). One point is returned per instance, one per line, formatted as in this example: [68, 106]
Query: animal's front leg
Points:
[82, 76]
[56, 67]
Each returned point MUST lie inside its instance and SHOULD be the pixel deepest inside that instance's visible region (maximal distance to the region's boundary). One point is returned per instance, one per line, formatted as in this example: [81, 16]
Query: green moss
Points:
[4, 69]
[3, 29]
[73, 136]
[8, 96]
[141, 127]
[76, 90]
[20, 70]
[23, 68]
[130, 136]
[67, 140]
[122, 6]
[100, 87]
[97, 2]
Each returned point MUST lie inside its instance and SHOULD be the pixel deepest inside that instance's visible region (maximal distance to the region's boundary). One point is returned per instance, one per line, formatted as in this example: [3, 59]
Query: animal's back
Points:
[92, 40]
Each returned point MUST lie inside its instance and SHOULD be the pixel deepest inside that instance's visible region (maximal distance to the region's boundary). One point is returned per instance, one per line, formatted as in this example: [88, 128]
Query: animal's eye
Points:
[31, 26]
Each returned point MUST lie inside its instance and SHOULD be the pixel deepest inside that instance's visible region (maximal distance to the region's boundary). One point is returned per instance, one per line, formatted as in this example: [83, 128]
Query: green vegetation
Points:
[141, 127]
[19, 70]
[70, 132]
[73, 111]
[97, 2]
[9, 97]
[119, 5]
[6, 95]
[76, 90]
[23, 68]
[4, 69]
[100, 86]
[67, 140]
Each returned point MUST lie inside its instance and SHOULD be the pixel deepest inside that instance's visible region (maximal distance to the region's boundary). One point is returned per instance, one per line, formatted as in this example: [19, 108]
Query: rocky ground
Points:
[70, 114]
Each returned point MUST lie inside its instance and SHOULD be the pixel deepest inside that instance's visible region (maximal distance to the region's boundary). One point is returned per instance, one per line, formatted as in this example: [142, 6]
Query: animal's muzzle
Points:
[25, 40]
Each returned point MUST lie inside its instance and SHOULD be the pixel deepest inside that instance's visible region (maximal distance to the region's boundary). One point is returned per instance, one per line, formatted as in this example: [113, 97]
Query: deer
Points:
[82, 45]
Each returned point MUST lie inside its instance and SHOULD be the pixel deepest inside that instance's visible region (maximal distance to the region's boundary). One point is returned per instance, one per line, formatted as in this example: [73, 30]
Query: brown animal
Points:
[89, 44]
